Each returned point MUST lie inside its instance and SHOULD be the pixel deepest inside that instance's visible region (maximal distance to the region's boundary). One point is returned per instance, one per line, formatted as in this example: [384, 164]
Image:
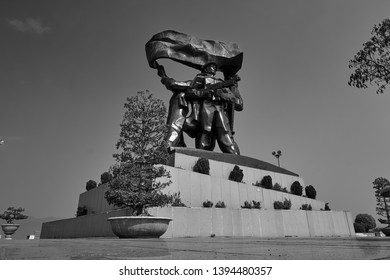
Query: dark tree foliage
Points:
[81, 211]
[13, 213]
[220, 204]
[266, 182]
[327, 208]
[278, 187]
[296, 188]
[105, 177]
[176, 200]
[202, 166]
[366, 220]
[91, 184]
[247, 205]
[208, 204]
[382, 203]
[359, 228]
[237, 174]
[251, 205]
[311, 192]
[372, 62]
[141, 148]
[306, 207]
[143, 130]
[256, 204]
[286, 204]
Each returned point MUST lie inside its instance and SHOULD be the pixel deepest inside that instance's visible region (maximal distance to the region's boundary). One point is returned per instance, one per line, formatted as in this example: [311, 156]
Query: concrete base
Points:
[205, 222]
[196, 188]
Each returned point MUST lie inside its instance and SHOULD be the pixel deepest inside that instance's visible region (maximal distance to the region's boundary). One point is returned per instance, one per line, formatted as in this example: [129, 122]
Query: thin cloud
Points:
[29, 25]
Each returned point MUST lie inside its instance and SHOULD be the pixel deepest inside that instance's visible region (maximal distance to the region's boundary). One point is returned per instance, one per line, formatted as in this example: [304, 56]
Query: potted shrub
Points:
[134, 184]
[9, 216]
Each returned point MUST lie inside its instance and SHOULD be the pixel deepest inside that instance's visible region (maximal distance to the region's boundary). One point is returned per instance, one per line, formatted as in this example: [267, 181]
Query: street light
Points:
[277, 154]
[1, 141]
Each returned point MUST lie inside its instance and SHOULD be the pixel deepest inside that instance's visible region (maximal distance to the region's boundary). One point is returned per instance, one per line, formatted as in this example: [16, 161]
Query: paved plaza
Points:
[220, 248]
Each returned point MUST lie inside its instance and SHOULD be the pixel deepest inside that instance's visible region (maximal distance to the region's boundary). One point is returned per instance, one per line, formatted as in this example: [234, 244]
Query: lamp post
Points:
[277, 154]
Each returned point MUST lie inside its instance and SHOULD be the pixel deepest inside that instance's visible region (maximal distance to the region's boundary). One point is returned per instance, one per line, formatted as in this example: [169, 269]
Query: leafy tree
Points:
[372, 62]
[12, 214]
[141, 147]
[382, 203]
[365, 220]
[91, 184]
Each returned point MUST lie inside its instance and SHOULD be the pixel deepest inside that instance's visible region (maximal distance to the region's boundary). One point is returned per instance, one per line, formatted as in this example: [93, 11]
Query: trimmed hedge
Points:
[311, 192]
[236, 175]
[202, 166]
[296, 188]
[266, 182]
[91, 184]
[359, 228]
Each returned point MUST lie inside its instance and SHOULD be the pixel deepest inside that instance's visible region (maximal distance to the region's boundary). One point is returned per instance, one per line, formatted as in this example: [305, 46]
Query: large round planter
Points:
[9, 229]
[139, 226]
[386, 231]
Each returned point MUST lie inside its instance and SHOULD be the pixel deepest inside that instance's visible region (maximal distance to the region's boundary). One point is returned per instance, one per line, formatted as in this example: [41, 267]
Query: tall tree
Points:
[382, 203]
[372, 62]
[141, 147]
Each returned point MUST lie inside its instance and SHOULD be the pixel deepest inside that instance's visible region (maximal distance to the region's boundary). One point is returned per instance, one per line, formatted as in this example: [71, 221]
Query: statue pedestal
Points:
[195, 188]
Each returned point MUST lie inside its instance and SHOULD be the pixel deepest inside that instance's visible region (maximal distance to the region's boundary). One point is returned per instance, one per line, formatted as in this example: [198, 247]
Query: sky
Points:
[67, 67]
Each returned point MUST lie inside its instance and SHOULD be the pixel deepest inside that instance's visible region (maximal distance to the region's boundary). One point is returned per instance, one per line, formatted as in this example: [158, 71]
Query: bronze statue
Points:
[202, 107]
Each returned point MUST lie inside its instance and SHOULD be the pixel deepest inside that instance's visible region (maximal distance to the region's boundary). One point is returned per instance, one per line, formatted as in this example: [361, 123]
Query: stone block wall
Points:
[195, 220]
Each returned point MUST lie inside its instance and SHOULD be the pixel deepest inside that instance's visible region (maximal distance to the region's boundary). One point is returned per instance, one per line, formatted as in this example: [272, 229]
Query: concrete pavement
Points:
[220, 248]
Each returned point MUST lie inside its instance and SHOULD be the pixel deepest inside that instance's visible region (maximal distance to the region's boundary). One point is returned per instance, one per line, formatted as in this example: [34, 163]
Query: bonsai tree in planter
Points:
[9, 216]
[141, 148]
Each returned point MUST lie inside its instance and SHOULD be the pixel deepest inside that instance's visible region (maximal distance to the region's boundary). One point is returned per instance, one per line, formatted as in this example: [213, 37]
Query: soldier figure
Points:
[177, 120]
[215, 124]
[201, 108]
